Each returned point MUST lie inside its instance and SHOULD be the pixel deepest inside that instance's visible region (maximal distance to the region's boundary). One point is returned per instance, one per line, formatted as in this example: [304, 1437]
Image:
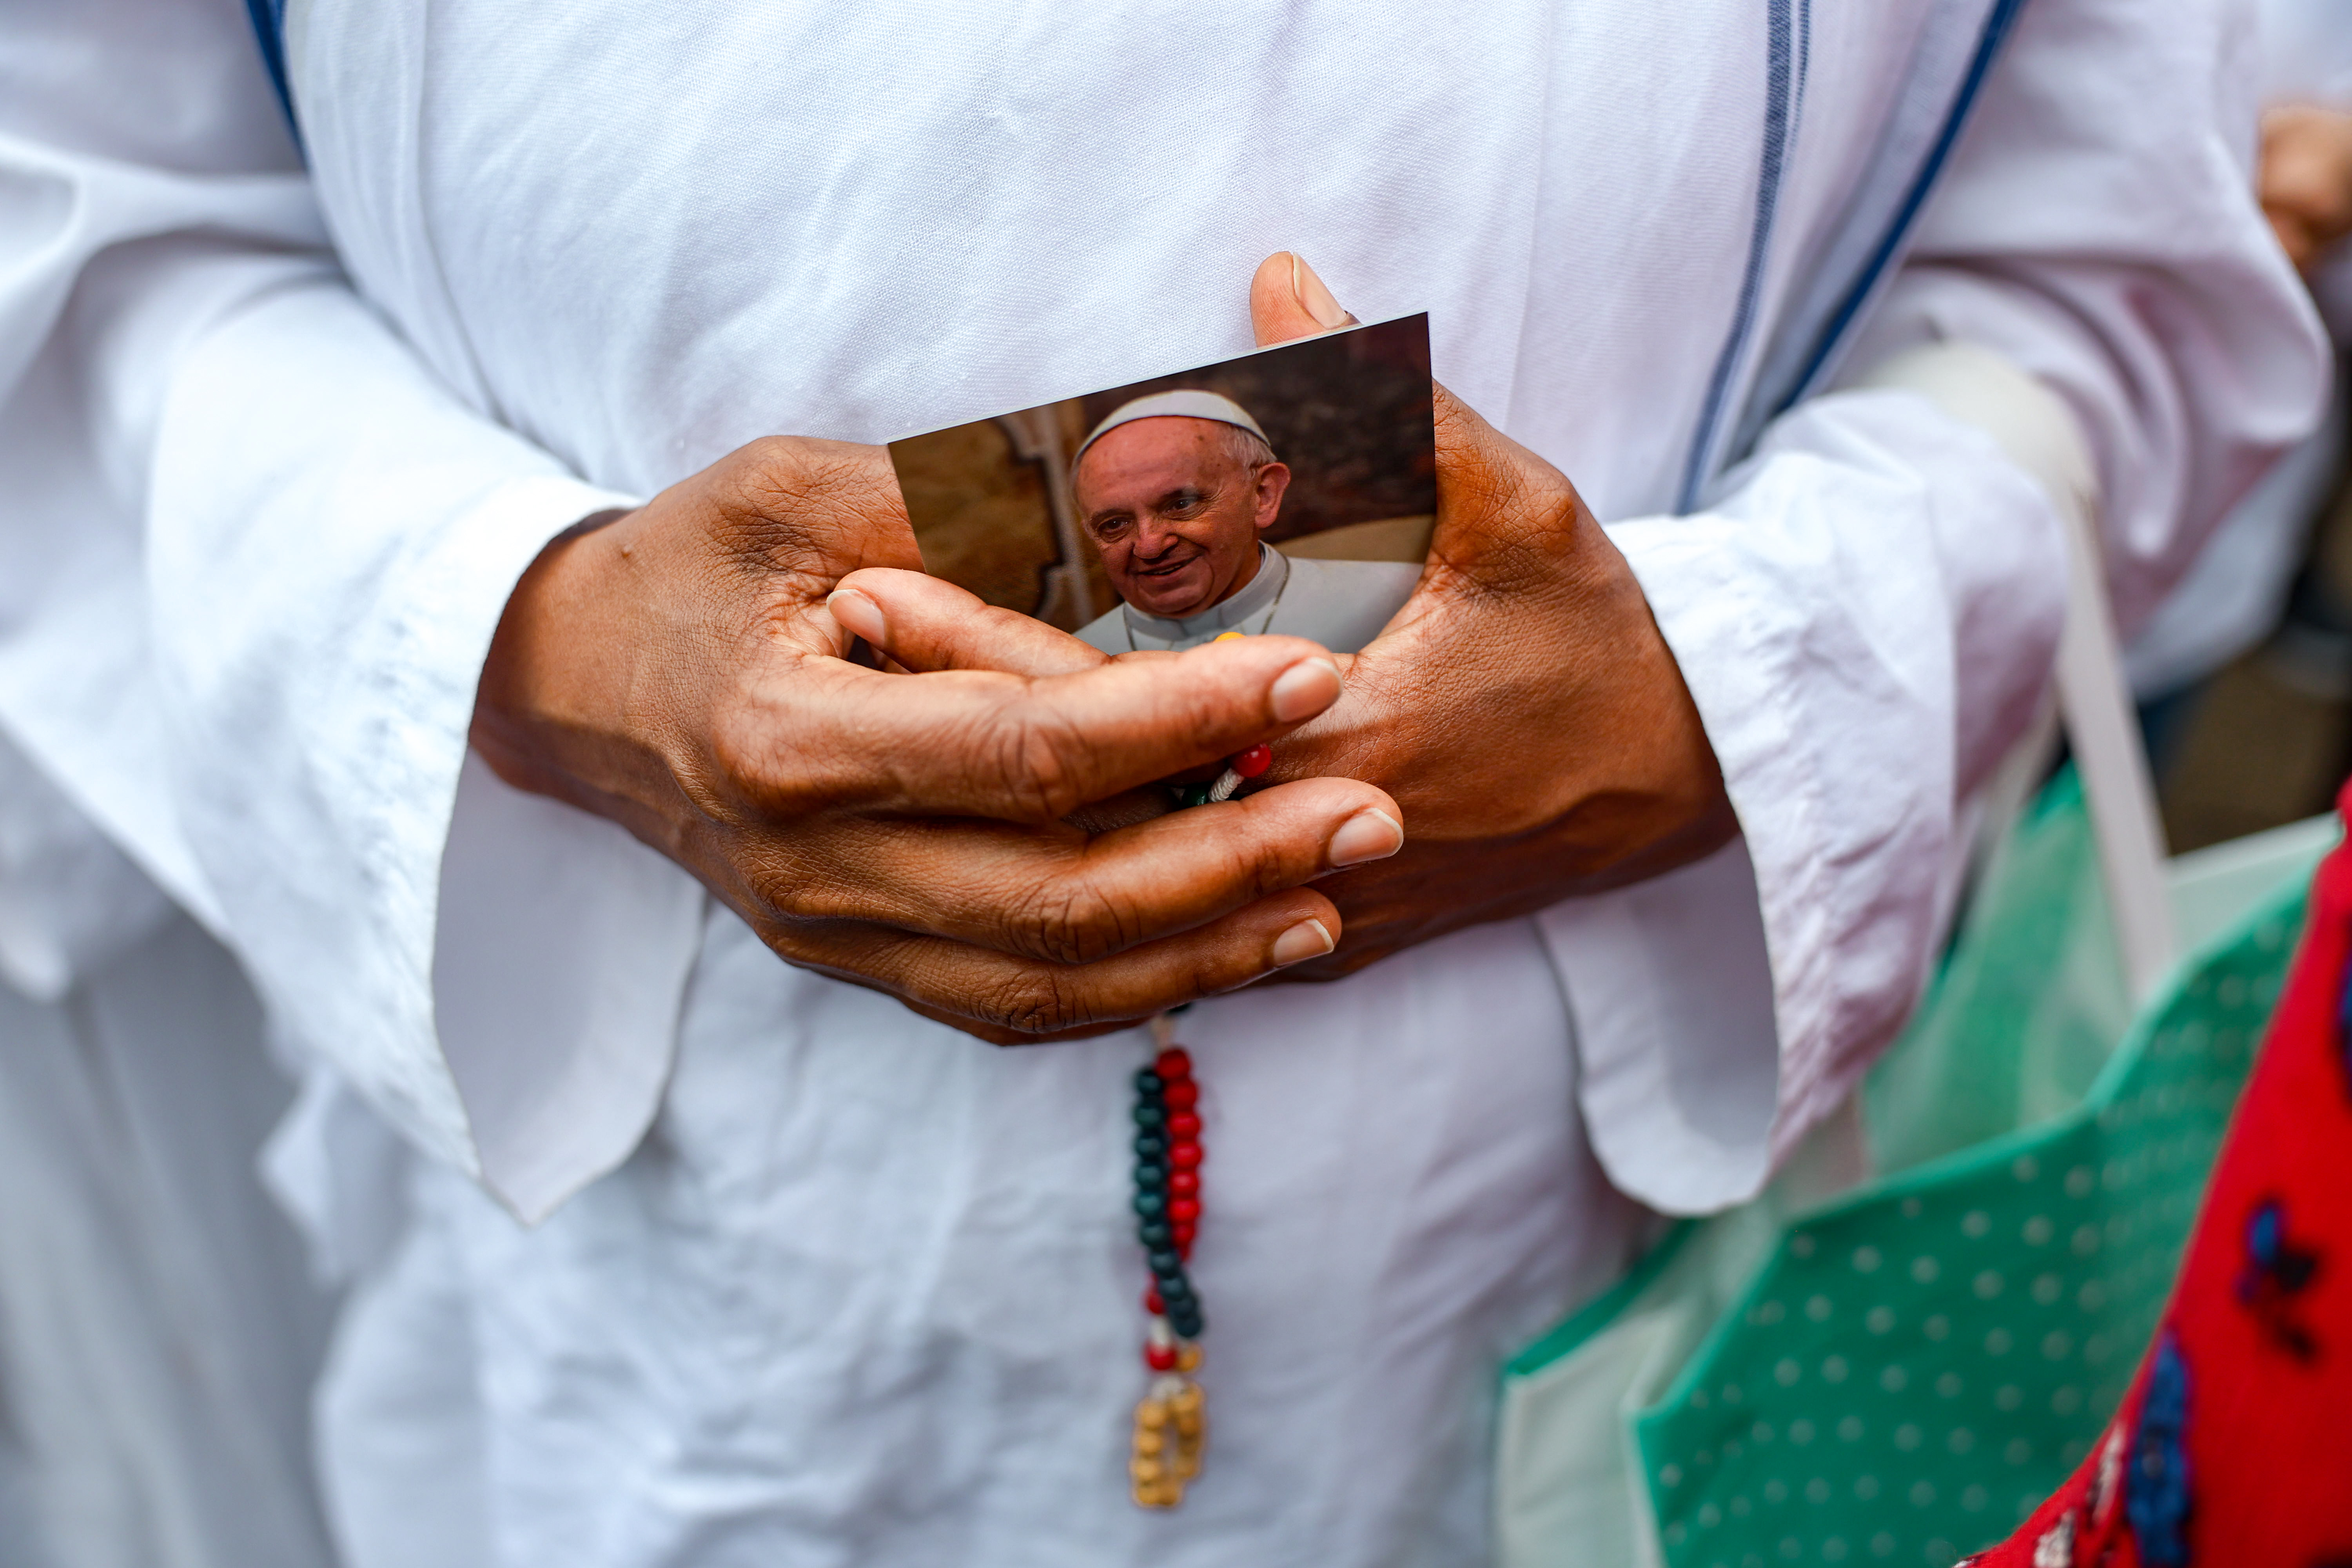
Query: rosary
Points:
[1171, 1422]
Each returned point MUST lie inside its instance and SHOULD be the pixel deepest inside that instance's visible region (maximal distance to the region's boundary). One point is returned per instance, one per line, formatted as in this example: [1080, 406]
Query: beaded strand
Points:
[1171, 1422]
[1246, 765]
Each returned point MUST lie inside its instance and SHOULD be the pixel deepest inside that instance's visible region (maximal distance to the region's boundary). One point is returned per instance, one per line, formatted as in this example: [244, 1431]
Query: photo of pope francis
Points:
[1174, 491]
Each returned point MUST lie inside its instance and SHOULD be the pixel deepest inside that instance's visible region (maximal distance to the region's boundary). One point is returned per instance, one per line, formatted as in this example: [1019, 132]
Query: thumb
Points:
[1288, 300]
[1477, 464]
[1501, 510]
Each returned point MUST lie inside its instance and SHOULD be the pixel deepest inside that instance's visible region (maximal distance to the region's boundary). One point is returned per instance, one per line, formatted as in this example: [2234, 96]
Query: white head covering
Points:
[1183, 403]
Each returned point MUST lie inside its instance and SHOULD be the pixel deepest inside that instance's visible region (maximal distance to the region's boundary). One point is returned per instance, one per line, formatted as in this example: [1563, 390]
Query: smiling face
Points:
[1175, 506]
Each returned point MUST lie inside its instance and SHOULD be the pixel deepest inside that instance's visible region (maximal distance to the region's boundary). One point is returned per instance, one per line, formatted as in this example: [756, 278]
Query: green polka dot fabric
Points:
[1901, 1374]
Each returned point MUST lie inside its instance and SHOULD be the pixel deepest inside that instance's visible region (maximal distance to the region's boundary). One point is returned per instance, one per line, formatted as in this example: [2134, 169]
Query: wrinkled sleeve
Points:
[1867, 611]
[265, 549]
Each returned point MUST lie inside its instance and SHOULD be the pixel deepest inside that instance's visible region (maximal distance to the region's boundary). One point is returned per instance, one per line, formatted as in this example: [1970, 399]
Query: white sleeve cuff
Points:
[1670, 987]
[559, 959]
[1867, 621]
[368, 530]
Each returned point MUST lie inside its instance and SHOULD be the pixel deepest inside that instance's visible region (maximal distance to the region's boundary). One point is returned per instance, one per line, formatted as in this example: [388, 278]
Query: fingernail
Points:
[1313, 297]
[1305, 690]
[1369, 834]
[858, 614]
[1306, 940]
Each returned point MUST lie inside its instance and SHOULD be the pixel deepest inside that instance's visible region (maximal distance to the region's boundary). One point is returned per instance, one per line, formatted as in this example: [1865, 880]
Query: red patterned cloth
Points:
[2233, 1448]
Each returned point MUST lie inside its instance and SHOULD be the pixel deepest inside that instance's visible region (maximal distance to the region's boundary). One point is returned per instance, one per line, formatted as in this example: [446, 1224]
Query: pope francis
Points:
[1172, 492]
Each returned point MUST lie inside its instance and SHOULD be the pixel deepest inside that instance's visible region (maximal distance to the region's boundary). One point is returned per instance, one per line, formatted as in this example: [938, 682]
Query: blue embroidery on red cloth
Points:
[2344, 1026]
[2276, 1272]
[2156, 1496]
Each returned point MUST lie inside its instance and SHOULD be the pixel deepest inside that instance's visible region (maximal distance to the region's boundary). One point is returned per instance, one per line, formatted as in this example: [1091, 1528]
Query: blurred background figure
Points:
[2245, 674]
[159, 1330]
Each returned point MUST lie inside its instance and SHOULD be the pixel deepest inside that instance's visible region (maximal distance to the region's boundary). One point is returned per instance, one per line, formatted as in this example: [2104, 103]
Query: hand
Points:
[677, 671]
[1522, 707]
[2306, 180]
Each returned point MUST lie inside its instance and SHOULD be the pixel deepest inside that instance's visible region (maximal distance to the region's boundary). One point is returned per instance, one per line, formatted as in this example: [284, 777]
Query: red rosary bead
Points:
[1184, 1183]
[1184, 1155]
[1151, 1302]
[1183, 1233]
[1160, 1358]
[1183, 1126]
[1254, 761]
[1183, 1210]
[1183, 1094]
[1173, 1063]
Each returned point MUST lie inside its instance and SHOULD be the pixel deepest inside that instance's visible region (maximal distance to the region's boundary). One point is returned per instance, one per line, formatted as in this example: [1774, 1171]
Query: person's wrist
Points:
[552, 712]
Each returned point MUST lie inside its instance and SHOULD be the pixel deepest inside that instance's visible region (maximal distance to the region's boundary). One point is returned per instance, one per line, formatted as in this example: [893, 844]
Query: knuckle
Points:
[1072, 919]
[808, 900]
[1036, 1000]
[748, 765]
[751, 762]
[1036, 762]
[763, 454]
[740, 749]
[1267, 861]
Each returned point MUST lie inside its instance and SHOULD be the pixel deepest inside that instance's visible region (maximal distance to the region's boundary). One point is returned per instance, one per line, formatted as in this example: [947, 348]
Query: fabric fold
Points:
[368, 528]
[1822, 614]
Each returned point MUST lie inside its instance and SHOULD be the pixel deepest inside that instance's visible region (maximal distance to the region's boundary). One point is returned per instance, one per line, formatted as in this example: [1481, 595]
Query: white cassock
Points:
[811, 1280]
[1342, 605]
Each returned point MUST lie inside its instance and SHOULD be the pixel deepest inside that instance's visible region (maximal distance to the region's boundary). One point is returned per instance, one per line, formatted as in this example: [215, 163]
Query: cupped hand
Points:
[679, 672]
[1522, 707]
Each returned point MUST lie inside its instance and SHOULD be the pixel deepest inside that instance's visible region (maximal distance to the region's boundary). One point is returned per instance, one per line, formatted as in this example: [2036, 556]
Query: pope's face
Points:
[1174, 513]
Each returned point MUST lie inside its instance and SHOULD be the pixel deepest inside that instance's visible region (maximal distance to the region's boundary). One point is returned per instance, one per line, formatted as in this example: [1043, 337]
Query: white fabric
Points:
[868, 1295]
[1698, 1121]
[157, 1336]
[69, 899]
[2034, 427]
[1342, 605]
[863, 1293]
[2232, 597]
[2306, 51]
[551, 1059]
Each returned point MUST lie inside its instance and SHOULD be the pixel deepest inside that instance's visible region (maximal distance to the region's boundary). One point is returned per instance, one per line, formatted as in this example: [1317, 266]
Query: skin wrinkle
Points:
[1067, 920]
[683, 674]
[1562, 600]
[1100, 906]
[1177, 561]
[1093, 920]
[670, 671]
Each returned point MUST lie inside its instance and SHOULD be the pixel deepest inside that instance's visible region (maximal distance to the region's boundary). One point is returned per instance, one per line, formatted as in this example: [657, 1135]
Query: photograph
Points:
[1291, 490]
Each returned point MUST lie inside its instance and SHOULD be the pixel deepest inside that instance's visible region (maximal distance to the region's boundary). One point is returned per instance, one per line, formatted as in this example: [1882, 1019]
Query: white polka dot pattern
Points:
[1915, 1368]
